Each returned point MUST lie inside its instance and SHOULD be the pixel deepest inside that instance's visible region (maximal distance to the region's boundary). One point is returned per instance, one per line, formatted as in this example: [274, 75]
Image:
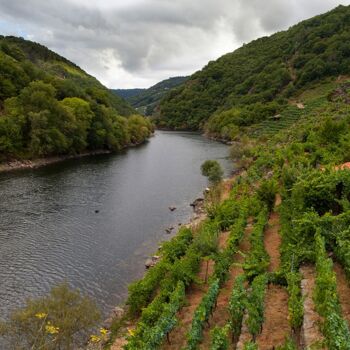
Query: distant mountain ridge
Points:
[146, 101]
[128, 93]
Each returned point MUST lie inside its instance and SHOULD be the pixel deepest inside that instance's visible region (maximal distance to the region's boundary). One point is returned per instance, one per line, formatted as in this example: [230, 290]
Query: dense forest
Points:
[49, 106]
[146, 101]
[257, 80]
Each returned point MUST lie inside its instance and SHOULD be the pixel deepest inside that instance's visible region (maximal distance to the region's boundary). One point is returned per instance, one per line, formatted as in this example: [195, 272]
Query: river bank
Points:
[17, 164]
[119, 323]
[40, 162]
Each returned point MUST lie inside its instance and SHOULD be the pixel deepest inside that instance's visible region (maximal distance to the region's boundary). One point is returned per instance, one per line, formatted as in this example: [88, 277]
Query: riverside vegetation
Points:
[300, 165]
[237, 279]
[49, 106]
[290, 201]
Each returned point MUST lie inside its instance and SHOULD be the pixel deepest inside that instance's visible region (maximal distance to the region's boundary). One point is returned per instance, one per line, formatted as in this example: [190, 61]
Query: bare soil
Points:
[193, 298]
[310, 332]
[223, 237]
[272, 241]
[276, 325]
[343, 291]
[227, 187]
[119, 343]
[221, 313]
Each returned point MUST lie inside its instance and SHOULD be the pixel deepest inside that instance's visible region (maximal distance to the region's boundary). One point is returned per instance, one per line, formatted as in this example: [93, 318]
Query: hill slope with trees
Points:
[257, 80]
[146, 101]
[49, 106]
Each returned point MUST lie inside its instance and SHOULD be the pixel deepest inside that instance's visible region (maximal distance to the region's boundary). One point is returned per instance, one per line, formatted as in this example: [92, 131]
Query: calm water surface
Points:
[50, 232]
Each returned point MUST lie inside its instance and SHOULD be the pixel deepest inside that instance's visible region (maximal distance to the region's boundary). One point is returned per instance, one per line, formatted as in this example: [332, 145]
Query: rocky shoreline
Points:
[41, 162]
[17, 164]
[118, 315]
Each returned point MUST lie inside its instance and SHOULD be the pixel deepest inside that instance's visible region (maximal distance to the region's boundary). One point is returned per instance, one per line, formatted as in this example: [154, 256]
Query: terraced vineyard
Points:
[239, 287]
[269, 266]
[286, 119]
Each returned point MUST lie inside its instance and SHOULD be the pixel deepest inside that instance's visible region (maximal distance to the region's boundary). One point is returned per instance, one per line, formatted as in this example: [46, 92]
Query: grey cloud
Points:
[143, 41]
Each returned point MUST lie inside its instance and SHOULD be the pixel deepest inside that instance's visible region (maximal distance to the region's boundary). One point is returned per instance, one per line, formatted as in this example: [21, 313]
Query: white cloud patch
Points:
[137, 43]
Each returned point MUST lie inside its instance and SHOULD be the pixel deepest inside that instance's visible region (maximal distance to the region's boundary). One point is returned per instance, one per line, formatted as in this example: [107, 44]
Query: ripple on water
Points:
[50, 232]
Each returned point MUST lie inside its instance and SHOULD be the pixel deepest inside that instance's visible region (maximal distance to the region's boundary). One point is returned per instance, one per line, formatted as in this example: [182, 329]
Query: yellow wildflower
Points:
[131, 332]
[40, 315]
[103, 331]
[95, 338]
[51, 329]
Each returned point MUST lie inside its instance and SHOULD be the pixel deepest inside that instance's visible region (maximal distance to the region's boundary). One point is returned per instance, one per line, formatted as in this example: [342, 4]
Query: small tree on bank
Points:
[213, 171]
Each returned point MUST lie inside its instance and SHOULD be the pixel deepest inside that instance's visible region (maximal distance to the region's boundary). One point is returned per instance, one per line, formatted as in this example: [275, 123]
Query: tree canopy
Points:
[49, 106]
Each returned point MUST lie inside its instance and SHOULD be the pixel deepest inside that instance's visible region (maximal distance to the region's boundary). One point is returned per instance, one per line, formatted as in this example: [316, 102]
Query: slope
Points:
[257, 80]
[146, 101]
[49, 106]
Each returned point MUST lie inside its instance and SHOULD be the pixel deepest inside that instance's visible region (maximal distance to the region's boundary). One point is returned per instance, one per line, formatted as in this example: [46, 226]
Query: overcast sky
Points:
[136, 43]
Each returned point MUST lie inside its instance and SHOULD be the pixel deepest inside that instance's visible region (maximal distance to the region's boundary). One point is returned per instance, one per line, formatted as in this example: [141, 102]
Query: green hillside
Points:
[146, 101]
[49, 106]
[128, 93]
[257, 80]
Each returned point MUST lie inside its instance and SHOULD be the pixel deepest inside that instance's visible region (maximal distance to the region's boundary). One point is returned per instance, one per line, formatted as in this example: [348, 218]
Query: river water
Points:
[50, 230]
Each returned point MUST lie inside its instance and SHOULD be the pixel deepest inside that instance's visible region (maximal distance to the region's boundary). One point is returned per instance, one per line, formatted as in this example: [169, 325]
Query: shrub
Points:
[60, 320]
[212, 170]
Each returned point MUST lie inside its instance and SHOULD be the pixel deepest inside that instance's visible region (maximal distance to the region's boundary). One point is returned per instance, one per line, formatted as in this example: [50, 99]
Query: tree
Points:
[213, 171]
[60, 320]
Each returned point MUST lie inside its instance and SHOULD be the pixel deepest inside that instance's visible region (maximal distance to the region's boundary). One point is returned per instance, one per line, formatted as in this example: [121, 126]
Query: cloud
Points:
[140, 42]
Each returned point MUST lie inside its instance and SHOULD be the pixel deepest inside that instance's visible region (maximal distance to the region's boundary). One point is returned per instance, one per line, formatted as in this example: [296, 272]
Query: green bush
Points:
[219, 338]
[61, 320]
[212, 170]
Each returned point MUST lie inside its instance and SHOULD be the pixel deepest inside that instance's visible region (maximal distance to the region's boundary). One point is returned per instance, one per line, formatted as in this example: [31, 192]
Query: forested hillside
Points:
[268, 267]
[146, 101]
[258, 80]
[49, 106]
[128, 93]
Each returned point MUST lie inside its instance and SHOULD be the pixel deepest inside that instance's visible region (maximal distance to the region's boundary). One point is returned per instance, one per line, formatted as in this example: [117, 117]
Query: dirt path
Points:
[221, 312]
[119, 343]
[227, 187]
[272, 240]
[193, 298]
[223, 237]
[276, 325]
[310, 331]
[343, 289]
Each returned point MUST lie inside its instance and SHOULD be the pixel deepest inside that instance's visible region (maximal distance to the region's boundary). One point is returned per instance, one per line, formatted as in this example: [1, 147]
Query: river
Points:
[93, 221]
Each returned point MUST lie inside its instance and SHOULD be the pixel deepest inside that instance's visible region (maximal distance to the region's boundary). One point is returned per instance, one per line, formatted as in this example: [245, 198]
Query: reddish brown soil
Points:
[343, 291]
[310, 332]
[276, 325]
[227, 187]
[223, 237]
[119, 343]
[272, 241]
[272, 238]
[221, 312]
[193, 298]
